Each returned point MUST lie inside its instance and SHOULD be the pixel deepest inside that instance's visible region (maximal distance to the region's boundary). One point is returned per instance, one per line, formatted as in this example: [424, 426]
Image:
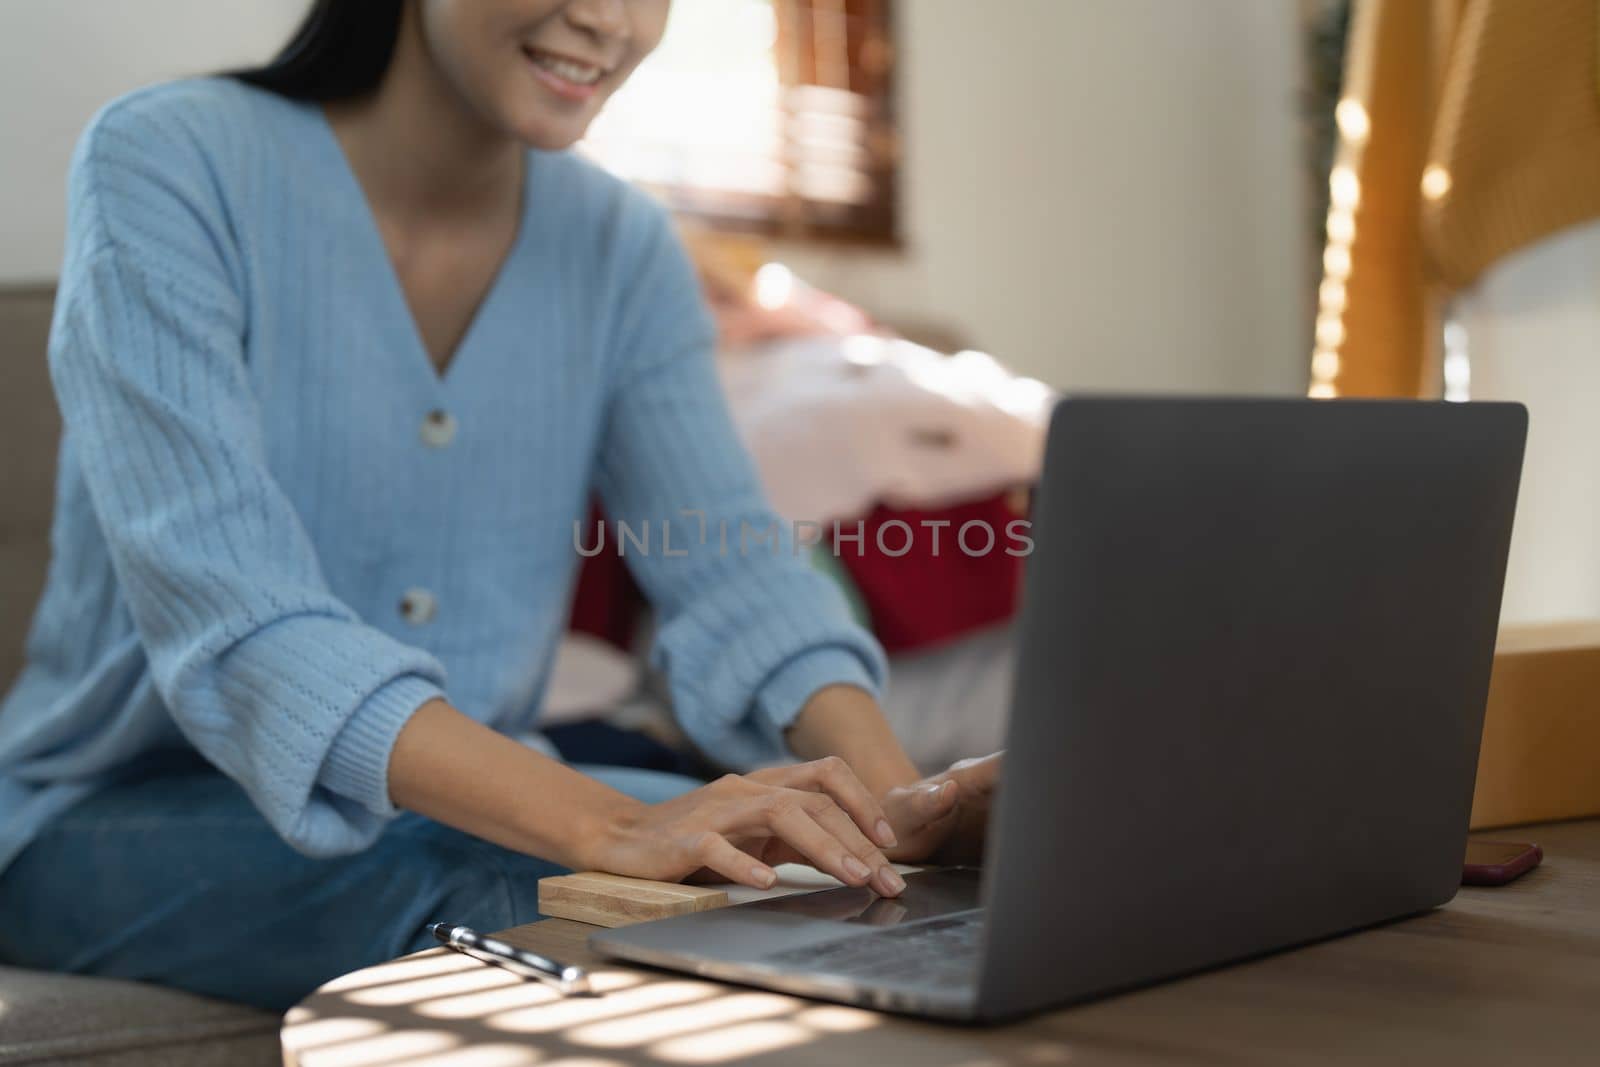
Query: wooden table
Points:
[1498, 976]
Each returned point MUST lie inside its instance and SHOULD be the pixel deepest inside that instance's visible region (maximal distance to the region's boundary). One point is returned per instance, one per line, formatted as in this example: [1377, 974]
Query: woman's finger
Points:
[885, 880]
[923, 803]
[835, 777]
[714, 852]
[977, 776]
[788, 818]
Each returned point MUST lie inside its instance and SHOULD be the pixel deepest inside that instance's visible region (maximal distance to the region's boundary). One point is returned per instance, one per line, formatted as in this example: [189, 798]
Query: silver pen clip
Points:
[567, 979]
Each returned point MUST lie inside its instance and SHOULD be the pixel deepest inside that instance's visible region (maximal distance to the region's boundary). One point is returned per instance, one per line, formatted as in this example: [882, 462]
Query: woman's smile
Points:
[565, 76]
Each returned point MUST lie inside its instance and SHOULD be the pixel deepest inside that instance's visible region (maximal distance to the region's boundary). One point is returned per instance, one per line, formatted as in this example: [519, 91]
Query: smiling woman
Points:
[343, 347]
[488, 51]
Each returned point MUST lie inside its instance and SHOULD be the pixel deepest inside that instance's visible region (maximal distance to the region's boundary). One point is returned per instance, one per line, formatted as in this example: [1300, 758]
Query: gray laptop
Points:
[1254, 654]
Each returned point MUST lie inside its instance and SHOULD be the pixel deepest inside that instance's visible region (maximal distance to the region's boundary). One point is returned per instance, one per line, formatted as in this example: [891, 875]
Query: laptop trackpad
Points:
[753, 931]
[928, 895]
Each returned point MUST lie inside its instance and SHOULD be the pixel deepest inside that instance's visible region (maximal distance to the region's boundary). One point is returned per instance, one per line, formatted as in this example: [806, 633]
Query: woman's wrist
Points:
[459, 772]
[846, 721]
[599, 830]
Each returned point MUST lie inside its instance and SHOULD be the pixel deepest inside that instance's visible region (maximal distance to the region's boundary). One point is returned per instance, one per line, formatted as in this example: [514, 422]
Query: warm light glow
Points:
[1330, 331]
[1324, 365]
[1026, 398]
[401, 1046]
[1341, 226]
[865, 349]
[1322, 391]
[480, 1056]
[1457, 368]
[774, 286]
[434, 961]
[732, 1043]
[1331, 295]
[1435, 182]
[515, 998]
[579, 1011]
[1352, 119]
[706, 109]
[1344, 188]
[307, 1035]
[1457, 378]
[443, 985]
[1336, 261]
[836, 1019]
[492, 1002]
[673, 1022]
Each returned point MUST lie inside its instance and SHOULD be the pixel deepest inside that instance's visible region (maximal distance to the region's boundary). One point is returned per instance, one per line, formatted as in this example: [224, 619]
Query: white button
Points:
[418, 606]
[438, 428]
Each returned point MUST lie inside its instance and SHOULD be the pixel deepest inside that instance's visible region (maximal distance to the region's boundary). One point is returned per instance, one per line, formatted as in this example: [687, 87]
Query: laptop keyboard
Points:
[943, 950]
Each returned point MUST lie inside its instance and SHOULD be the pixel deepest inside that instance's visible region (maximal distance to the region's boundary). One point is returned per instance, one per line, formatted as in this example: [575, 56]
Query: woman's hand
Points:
[942, 819]
[740, 826]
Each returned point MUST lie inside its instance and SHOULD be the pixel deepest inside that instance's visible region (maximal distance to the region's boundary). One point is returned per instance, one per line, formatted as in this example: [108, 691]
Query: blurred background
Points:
[1102, 193]
[985, 204]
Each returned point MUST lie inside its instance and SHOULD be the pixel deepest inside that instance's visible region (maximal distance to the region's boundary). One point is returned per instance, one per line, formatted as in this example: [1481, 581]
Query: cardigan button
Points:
[418, 606]
[438, 428]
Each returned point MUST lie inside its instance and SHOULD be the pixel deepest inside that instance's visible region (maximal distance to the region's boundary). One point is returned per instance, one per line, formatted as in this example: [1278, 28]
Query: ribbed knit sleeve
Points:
[749, 630]
[269, 675]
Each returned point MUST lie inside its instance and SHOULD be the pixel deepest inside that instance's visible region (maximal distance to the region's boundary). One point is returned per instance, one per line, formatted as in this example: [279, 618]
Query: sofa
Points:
[54, 1018]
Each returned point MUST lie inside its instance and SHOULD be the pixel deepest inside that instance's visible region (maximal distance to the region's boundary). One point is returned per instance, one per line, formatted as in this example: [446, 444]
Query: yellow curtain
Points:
[1468, 129]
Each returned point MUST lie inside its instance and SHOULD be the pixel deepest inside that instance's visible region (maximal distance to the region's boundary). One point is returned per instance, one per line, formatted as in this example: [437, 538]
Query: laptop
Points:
[1253, 658]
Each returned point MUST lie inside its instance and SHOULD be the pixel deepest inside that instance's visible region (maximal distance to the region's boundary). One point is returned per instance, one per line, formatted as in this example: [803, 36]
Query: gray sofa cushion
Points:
[23, 561]
[30, 430]
[30, 425]
[51, 1018]
[48, 1018]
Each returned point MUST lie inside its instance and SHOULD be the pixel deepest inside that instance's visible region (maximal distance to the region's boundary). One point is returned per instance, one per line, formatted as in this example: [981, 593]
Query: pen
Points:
[570, 981]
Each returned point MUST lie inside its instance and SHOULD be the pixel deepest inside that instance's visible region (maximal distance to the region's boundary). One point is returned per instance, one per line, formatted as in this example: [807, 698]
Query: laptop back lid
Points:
[1254, 658]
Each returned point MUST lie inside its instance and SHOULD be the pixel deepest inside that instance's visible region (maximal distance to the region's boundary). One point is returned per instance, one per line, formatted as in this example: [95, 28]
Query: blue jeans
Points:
[177, 879]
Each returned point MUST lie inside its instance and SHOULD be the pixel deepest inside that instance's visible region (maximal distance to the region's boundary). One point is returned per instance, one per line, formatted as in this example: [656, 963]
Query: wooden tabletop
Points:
[1498, 976]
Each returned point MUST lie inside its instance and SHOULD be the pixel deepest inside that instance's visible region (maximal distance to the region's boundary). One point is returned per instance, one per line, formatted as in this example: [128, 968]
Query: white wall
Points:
[1105, 193]
[1102, 192]
[61, 59]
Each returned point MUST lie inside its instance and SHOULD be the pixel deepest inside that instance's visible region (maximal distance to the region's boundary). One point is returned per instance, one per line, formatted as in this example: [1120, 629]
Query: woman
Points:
[342, 346]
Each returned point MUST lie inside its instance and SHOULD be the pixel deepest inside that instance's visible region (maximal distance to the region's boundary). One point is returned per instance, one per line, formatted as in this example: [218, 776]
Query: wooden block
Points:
[612, 900]
[1541, 731]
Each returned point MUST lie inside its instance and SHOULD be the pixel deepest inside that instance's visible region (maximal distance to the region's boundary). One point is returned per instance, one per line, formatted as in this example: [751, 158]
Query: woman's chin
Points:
[537, 128]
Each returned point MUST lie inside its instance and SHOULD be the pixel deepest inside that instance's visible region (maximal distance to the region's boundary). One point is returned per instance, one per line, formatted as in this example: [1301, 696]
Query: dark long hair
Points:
[341, 49]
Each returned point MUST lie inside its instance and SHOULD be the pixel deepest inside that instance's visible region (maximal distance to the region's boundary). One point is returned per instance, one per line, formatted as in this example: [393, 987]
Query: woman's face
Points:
[540, 69]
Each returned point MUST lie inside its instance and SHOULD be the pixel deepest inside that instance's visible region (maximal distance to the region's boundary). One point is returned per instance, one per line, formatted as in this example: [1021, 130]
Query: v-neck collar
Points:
[418, 357]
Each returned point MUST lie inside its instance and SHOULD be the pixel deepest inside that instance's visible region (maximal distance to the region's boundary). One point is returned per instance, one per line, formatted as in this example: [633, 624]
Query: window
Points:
[772, 116]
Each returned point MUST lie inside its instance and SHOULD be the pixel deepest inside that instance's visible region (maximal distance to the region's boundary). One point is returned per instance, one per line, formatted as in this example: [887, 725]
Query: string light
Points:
[1344, 196]
[1436, 182]
[1344, 188]
[1336, 261]
[1330, 331]
[1341, 226]
[1352, 120]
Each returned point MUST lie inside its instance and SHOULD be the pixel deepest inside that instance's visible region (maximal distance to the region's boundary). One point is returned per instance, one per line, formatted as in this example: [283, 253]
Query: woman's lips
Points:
[563, 76]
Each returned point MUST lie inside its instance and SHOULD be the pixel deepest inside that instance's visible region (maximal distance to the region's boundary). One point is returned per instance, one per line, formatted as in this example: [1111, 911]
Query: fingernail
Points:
[856, 869]
[892, 880]
[885, 833]
[935, 790]
[765, 876]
